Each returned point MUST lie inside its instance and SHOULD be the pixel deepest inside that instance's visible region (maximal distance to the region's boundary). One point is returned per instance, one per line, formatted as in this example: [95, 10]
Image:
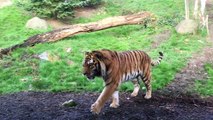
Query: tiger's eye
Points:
[91, 66]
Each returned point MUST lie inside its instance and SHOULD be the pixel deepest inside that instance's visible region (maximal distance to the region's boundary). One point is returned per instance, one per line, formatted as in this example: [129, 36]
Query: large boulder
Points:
[37, 23]
[4, 3]
[187, 27]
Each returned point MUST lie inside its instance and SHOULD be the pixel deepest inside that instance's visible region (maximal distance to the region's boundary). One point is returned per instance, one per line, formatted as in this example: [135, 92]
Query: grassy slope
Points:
[13, 31]
[22, 72]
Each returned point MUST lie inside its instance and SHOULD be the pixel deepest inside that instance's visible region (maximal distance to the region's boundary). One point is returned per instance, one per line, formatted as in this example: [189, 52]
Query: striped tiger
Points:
[116, 67]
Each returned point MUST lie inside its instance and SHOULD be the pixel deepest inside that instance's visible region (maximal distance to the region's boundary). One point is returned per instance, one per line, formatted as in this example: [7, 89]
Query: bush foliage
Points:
[60, 9]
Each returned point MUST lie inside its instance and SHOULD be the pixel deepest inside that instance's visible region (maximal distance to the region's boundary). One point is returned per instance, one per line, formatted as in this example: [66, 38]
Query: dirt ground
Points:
[48, 106]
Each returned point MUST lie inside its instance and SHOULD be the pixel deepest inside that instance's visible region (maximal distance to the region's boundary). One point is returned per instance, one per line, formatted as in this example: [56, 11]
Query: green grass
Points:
[12, 26]
[22, 72]
[205, 87]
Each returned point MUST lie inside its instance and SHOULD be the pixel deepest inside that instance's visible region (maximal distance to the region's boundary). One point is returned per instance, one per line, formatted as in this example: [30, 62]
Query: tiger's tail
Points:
[154, 63]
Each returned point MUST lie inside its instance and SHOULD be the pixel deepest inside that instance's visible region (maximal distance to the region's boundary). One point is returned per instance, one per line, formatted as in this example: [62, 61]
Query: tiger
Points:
[117, 67]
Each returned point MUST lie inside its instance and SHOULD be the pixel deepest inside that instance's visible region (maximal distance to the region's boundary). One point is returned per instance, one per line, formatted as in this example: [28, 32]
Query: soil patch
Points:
[56, 24]
[159, 38]
[48, 106]
[87, 12]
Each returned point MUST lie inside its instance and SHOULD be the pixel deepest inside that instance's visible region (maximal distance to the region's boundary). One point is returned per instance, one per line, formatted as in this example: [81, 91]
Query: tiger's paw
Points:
[95, 109]
[134, 94]
[147, 96]
[113, 105]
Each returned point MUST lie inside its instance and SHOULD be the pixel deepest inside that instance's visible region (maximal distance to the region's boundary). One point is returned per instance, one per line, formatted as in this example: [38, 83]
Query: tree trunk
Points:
[202, 10]
[196, 9]
[186, 9]
[52, 36]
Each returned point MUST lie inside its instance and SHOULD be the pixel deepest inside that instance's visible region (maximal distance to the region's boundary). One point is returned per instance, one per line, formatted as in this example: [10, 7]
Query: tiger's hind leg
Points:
[148, 91]
[147, 82]
[136, 87]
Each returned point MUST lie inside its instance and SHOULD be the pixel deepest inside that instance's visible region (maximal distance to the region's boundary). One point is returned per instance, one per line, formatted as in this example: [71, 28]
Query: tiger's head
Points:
[91, 66]
[94, 63]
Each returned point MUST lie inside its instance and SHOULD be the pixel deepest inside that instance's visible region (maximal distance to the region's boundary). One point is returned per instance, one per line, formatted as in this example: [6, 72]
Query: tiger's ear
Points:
[98, 55]
[86, 53]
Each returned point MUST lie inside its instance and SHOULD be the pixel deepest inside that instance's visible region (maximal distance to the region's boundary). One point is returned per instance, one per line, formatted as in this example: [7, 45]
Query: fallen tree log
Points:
[55, 35]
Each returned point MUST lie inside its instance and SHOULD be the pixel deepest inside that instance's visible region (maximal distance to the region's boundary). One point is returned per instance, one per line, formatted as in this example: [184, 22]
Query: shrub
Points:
[60, 9]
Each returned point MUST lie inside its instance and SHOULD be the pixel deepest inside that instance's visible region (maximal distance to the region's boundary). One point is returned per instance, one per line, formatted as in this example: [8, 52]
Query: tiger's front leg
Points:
[105, 95]
[115, 100]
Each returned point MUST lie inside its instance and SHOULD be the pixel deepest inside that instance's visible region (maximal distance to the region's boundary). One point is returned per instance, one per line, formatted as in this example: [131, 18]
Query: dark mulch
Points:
[48, 106]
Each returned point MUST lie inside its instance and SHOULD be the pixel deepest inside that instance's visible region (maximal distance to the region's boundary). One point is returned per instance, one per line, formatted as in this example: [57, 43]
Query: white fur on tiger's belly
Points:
[130, 76]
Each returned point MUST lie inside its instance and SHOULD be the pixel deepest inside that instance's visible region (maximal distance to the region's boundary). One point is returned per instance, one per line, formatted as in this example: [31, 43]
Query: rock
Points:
[44, 56]
[69, 103]
[47, 56]
[68, 50]
[187, 27]
[36, 23]
[5, 3]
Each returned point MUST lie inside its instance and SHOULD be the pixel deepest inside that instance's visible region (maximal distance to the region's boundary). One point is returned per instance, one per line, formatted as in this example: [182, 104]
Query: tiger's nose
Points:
[84, 73]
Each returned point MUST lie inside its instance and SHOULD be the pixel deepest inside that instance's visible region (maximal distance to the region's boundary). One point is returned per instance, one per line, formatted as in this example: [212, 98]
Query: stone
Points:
[5, 3]
[48, 57]
[37, 23]
[187, 27]
[44, 56]
[68, 50]
[70, 103]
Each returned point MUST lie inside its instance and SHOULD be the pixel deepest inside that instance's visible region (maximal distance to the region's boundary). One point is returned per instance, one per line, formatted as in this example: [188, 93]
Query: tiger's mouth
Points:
[90, 77]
